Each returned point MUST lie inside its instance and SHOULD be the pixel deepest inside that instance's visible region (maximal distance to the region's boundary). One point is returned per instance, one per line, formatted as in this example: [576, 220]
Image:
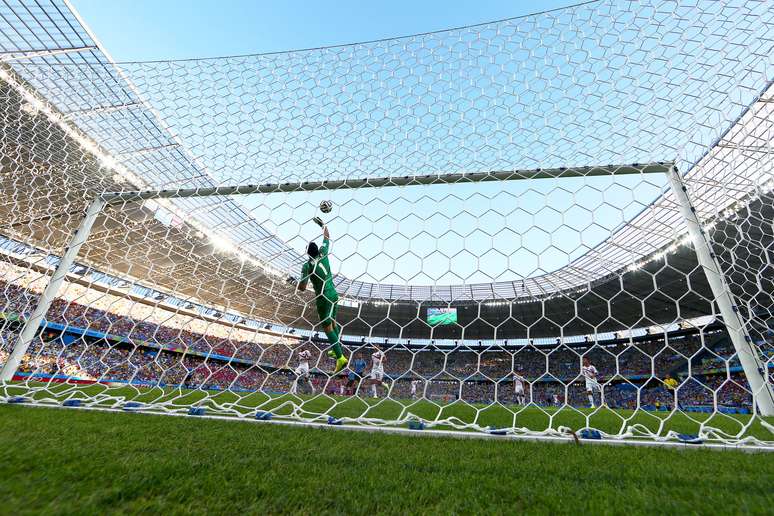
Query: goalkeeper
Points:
[318, 270]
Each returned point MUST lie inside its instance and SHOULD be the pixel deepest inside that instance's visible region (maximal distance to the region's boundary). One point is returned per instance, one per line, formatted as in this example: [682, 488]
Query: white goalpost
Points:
[528, 230]
[32, 324]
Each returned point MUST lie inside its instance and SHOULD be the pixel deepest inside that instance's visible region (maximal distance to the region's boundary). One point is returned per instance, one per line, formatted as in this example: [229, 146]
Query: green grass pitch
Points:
[71, 461]
[493, 415]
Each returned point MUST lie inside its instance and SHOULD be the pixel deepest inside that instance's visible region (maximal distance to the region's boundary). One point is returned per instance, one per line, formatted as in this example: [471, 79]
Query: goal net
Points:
[555, 226]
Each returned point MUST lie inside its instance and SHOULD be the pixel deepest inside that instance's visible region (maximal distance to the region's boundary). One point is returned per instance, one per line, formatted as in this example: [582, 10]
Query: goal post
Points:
[399, 181]
[754, 368]
[32, 323]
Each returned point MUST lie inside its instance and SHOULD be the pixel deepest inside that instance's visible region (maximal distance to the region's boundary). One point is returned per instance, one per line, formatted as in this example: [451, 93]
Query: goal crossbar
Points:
[385, 182]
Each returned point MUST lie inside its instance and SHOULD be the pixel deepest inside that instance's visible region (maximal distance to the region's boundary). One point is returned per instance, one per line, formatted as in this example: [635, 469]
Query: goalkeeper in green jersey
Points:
[318, 270]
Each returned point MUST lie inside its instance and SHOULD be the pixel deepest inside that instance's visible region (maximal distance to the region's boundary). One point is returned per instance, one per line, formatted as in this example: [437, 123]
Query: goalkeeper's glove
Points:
[290, 280]
[319, 222]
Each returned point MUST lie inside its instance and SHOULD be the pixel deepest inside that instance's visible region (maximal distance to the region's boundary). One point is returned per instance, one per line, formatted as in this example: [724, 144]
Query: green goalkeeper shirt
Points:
[318, 271]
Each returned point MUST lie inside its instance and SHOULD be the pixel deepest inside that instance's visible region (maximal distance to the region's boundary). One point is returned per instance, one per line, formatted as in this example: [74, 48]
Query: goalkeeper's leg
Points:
[337, 350]
[327, 312]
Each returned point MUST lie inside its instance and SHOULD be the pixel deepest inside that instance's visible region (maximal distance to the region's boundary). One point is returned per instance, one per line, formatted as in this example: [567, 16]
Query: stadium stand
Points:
[75, 348]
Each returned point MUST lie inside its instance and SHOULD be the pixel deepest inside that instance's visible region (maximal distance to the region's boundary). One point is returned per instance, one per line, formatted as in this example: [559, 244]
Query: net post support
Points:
[762, 392]
[32, 324]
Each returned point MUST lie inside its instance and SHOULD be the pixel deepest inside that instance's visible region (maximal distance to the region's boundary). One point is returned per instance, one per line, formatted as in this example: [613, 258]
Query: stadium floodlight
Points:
[508, 228]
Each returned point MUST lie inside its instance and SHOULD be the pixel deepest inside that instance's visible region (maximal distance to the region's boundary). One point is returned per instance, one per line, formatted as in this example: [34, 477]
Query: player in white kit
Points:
[518, 388]
[590, 374]
[414, 386]
[302, 371]
[377, 371]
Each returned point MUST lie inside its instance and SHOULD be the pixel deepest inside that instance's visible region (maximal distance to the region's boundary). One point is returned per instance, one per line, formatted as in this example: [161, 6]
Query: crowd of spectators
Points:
[88, 309]
[266, 360]
[652, 357]
[87, 359]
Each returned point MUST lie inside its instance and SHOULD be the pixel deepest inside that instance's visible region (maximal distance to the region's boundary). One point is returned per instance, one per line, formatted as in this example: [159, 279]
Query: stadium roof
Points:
[52, 55]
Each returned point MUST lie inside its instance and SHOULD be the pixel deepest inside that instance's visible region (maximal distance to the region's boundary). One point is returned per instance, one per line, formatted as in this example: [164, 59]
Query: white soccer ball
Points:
[326, 206]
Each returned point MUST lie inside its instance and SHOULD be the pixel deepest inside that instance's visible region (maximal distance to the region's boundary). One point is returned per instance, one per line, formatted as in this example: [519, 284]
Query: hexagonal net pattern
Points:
[557, 225]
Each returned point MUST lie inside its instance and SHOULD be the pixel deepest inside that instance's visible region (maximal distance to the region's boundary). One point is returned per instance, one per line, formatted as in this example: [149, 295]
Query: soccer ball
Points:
[326, 206]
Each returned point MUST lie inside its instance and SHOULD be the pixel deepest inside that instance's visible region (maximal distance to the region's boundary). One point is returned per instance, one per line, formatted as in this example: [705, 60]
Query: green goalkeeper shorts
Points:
[327, 310]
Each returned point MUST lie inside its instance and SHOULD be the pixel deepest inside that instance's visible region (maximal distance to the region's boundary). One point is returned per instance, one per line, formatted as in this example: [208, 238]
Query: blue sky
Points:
[588, 86]
[376, 241]
[141, 30]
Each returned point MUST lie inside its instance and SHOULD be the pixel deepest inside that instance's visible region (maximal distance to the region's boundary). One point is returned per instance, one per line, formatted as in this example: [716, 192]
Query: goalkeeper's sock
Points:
[591, 400]
[337, 345]
[333, 338]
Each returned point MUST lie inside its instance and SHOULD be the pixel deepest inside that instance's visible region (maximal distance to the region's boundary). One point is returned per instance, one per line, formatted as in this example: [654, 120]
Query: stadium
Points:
[545, 241]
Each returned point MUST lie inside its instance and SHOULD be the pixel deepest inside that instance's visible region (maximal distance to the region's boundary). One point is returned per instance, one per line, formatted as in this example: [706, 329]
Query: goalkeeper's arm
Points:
[319, 222]
[300, 287]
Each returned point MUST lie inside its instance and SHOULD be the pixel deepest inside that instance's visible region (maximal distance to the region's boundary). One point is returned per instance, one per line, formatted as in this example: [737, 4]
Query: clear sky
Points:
[369, 242]
[141, 30]
[599, 84]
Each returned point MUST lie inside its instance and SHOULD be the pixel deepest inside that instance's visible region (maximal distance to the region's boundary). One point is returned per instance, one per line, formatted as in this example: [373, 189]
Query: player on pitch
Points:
[318, 270]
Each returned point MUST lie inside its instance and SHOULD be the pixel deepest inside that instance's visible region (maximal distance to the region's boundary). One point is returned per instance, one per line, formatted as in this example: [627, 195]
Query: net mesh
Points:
[506, 249]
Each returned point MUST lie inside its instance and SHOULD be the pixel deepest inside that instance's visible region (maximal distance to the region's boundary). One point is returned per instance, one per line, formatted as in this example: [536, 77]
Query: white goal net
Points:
[557, 226]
